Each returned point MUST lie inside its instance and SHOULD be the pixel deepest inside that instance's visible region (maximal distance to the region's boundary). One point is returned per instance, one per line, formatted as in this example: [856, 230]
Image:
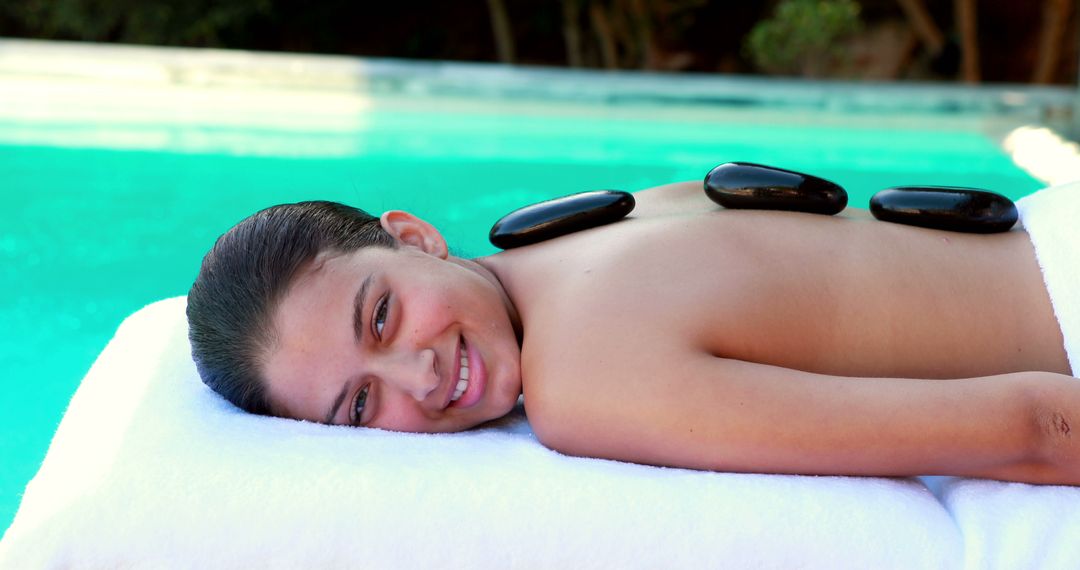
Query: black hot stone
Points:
[560, 216]
[755, 186]
[945, 208]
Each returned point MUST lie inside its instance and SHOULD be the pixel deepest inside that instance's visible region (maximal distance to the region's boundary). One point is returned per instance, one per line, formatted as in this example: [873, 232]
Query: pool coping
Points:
[216, 67]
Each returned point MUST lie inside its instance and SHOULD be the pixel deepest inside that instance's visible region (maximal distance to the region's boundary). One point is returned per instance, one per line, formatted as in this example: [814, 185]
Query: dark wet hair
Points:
[244, 277]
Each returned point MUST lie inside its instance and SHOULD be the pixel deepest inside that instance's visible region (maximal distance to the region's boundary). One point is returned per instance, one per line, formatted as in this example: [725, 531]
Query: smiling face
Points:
[406, 339]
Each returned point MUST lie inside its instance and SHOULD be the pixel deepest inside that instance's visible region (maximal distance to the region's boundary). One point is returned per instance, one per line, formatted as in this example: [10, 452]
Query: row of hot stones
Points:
[744, 185]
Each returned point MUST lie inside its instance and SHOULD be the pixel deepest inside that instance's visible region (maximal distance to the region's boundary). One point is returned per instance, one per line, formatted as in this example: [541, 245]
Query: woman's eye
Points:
[358, 405]
[379, 320]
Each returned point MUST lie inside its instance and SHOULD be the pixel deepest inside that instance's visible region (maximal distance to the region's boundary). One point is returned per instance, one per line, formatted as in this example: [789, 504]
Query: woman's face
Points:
[384, 338]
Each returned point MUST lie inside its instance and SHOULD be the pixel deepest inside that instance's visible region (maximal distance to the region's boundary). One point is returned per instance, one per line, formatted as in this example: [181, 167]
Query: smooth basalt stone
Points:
[756, 186]
[945, 208]
[560, 216]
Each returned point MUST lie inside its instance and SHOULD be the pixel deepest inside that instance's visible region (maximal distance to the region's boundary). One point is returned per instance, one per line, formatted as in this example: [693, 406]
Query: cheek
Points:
[426, 314]
[439, 304]
[399, 414]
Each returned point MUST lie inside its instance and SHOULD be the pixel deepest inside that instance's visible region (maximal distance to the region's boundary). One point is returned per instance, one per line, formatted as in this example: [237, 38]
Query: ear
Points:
[409, 230]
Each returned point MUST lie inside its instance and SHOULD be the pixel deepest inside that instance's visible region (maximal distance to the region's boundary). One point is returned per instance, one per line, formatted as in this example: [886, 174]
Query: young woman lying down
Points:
[685, 335]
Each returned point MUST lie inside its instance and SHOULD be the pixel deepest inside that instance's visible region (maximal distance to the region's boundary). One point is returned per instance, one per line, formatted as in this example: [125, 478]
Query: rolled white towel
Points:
[149, 468]
[1051, 218]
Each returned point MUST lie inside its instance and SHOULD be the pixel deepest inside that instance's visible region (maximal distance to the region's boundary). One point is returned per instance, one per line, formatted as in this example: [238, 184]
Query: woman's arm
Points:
[728, 415]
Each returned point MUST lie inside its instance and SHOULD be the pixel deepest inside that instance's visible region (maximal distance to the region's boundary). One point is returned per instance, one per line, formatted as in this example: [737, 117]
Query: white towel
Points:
[1052, 219]
[151, 469]
[1010, 526]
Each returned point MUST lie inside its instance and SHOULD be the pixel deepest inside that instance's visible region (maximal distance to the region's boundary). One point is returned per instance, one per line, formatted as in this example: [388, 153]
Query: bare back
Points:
[836, 295]
[694, 336]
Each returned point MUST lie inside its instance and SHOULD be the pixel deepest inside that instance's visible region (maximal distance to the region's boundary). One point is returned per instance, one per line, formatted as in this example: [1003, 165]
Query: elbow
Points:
[1055, 419]
[1057, 447]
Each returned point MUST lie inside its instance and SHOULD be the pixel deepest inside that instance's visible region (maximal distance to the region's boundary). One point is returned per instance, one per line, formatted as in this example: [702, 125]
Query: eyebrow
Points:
[358, 309]
[358, 331]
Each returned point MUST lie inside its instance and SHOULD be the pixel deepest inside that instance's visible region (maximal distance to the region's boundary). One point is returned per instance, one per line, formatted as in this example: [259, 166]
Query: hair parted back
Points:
[244, 277]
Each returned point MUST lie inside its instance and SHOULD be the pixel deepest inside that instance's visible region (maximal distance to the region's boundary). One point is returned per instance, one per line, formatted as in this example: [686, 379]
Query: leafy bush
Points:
[193, 22]
[802, 36]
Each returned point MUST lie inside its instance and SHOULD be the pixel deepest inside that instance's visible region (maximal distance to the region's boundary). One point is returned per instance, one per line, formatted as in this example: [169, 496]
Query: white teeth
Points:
[463, 376]
[460, 389]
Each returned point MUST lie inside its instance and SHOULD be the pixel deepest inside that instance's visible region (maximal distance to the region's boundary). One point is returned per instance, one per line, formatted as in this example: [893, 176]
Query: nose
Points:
[412, 371]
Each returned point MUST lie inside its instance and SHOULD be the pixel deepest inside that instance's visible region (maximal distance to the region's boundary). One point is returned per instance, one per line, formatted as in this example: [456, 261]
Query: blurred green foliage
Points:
[167, 22]
[802, 36]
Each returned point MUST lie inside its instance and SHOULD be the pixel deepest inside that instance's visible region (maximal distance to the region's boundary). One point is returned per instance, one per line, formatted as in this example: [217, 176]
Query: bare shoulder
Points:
[595, 338]
[602, 357]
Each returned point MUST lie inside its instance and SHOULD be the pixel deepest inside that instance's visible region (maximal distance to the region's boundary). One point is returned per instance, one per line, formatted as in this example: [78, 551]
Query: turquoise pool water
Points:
[89, 233]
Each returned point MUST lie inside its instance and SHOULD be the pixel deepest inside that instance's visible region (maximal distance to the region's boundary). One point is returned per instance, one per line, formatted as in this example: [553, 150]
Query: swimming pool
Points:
[113, 188]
